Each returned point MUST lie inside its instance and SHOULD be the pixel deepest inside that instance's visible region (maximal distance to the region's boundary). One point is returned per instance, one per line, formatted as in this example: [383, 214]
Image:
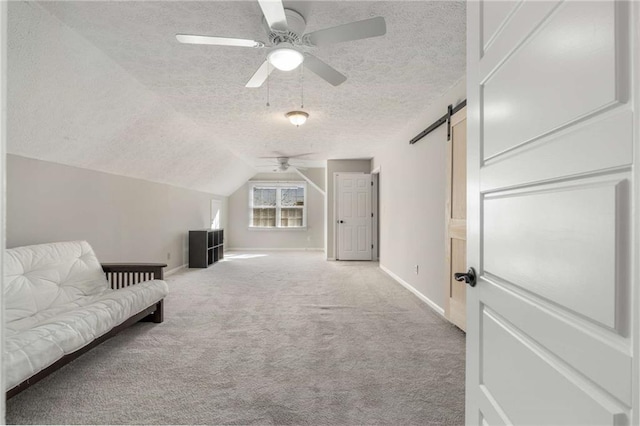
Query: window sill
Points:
[258, 228]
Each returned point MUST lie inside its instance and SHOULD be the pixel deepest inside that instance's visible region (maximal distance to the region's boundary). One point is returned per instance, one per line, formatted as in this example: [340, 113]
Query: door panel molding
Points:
[531, 369]
[561, 244]
[572, 339]
[516, 31]
[542, 86]
[499, 13]
[566, 154]
[489, 409]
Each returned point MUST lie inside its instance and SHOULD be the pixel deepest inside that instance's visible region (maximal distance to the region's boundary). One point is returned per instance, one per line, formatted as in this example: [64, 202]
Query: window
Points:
[278, 205]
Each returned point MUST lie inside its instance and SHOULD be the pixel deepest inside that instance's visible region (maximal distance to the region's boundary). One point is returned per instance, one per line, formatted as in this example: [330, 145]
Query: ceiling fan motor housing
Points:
[296, 26]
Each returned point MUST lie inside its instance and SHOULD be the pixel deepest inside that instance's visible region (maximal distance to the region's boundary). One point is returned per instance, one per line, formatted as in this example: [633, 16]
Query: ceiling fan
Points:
[283, 163]
[287, 42]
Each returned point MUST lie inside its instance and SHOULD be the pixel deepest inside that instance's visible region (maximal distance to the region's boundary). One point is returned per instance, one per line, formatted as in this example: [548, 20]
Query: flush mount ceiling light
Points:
[297, 118]
[285, 57]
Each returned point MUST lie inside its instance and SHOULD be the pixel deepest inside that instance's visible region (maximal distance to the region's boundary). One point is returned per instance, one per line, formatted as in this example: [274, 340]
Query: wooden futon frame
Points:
[119, 275]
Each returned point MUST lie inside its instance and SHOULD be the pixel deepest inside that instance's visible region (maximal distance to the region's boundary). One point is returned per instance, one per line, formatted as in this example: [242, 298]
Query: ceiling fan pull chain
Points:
[302, 85]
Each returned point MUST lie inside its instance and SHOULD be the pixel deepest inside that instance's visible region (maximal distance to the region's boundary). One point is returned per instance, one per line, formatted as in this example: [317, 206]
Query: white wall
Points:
[315, 176]
[239, 236]
[124, 219]
[412, 201]
[335, 166]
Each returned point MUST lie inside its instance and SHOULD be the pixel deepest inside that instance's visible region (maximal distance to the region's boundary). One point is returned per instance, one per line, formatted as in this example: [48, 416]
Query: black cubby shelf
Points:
[206, 247]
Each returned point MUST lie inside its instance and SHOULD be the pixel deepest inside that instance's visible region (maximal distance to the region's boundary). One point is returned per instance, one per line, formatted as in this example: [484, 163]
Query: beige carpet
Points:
[267, 338]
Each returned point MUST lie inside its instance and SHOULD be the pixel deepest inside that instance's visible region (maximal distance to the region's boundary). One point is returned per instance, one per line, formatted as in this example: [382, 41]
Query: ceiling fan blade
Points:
[323, 70]
[218, 41]
[354, 31]
[273, 12]
[260, 75]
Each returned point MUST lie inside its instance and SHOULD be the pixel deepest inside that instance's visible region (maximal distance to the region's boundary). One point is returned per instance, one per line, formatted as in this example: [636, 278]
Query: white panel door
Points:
[353, 218]
[552, 323]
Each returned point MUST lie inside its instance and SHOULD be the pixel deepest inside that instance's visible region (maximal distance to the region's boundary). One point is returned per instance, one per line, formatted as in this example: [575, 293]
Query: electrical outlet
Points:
[416, 269]
[169, 256]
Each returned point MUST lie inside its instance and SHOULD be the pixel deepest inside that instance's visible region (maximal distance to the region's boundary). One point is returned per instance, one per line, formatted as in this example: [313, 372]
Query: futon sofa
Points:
[60, 302]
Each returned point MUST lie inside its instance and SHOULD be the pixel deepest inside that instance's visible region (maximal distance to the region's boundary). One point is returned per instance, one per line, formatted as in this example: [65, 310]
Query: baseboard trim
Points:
[274, 249]
[409, 287]
[174, 270]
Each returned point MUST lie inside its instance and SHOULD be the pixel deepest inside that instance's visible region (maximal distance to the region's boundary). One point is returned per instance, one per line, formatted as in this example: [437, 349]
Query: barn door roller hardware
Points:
[439, 122]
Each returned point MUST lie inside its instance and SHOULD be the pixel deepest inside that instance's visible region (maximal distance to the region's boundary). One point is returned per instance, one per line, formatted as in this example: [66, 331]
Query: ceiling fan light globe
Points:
[297, 118]
[285, 58]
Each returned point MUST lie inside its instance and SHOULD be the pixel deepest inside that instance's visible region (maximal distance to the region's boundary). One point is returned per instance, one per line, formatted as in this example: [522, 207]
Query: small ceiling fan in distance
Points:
[288, 43]
[283, 163]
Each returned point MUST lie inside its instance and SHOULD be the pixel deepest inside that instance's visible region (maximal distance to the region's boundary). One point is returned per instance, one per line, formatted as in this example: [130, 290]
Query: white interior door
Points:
[353, 218]
[552, 324]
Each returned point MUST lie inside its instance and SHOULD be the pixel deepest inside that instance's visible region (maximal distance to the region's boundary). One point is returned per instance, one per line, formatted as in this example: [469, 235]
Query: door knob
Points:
[469, 277]
[341, 221]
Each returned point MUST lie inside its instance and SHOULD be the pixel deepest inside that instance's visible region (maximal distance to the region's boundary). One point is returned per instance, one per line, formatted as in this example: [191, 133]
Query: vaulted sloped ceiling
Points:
[70, 103]
[105, 86]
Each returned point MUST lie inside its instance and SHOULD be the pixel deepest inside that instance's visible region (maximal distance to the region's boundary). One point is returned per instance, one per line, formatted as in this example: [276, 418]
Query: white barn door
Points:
[353, 216]
[552, 324]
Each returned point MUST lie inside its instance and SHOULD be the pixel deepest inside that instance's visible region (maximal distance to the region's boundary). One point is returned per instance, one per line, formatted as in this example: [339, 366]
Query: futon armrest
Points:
[122, 275]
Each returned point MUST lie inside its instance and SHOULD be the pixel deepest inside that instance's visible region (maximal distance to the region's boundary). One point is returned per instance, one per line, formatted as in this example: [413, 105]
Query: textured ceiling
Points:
[194, 96]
